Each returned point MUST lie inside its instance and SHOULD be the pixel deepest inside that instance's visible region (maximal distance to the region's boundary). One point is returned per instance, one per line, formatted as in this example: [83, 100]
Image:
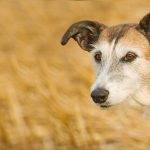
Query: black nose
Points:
[99, 95]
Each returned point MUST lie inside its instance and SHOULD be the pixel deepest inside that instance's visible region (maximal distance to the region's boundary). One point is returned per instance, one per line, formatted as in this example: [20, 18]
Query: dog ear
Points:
[85, 33]
[144, 26]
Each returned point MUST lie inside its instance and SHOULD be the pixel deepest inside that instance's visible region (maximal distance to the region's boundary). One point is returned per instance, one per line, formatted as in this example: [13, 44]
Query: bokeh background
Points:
[45, 88]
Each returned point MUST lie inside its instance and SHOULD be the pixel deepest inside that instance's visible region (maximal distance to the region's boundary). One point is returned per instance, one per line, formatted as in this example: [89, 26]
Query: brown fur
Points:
[136, 38]
[128, 34]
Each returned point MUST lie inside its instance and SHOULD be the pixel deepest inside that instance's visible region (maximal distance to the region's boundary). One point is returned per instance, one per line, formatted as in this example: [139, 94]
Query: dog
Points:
[121, 58]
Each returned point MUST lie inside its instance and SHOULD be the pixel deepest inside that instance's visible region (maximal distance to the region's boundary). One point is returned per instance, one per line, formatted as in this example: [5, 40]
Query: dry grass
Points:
[44, 87]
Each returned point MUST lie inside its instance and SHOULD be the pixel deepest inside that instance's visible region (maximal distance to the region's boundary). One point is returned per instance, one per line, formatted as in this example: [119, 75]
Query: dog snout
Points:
[99, 95]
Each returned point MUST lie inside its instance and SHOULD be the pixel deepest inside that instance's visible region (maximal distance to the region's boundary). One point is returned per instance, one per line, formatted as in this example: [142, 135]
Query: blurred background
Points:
[45, 88]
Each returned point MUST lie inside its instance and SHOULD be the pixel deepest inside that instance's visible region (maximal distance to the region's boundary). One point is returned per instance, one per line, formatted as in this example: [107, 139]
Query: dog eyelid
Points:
[129, 57]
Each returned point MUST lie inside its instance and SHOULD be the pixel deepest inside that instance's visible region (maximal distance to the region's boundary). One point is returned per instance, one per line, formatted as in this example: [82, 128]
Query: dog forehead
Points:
[133, 40]
[110, 36]
[123, 38]
[115, 32]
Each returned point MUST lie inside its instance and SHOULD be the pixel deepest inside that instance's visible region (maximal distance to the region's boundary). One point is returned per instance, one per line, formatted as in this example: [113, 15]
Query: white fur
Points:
[122, 80]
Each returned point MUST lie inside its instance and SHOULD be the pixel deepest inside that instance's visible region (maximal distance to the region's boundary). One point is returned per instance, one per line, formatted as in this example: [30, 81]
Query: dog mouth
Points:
[105, 105]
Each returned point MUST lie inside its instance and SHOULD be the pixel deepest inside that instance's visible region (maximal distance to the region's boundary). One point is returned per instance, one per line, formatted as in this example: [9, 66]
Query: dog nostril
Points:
[102, 97]
[99, 95]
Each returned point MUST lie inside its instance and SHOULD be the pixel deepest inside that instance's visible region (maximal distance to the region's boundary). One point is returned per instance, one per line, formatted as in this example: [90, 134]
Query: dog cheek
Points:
[144, 71]
[117, 93]
[121, 90]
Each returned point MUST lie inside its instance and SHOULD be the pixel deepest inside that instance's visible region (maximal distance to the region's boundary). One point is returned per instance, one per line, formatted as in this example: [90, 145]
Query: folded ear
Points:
[144, 25]
[85, 33]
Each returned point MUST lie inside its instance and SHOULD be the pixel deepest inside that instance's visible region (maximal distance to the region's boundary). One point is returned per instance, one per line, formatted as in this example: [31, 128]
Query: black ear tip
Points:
[145, 19]
[145, 23]
[63, 41]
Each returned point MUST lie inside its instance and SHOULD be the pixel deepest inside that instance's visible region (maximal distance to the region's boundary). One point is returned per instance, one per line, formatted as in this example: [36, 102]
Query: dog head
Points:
[120, 54]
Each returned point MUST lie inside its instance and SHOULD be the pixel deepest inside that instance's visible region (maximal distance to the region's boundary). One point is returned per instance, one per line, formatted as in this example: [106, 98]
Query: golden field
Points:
[45, 88]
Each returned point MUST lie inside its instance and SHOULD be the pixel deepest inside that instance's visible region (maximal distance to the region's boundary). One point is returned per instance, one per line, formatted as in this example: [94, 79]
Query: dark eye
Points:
[129, 57]
[98, 56]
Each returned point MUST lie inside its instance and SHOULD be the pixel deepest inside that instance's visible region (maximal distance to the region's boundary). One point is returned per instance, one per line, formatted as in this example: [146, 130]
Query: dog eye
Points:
[98, 56]
[129, 57]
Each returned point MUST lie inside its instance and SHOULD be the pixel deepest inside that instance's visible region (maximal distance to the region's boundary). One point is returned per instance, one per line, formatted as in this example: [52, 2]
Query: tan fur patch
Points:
[134, 38]
[128, 35]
